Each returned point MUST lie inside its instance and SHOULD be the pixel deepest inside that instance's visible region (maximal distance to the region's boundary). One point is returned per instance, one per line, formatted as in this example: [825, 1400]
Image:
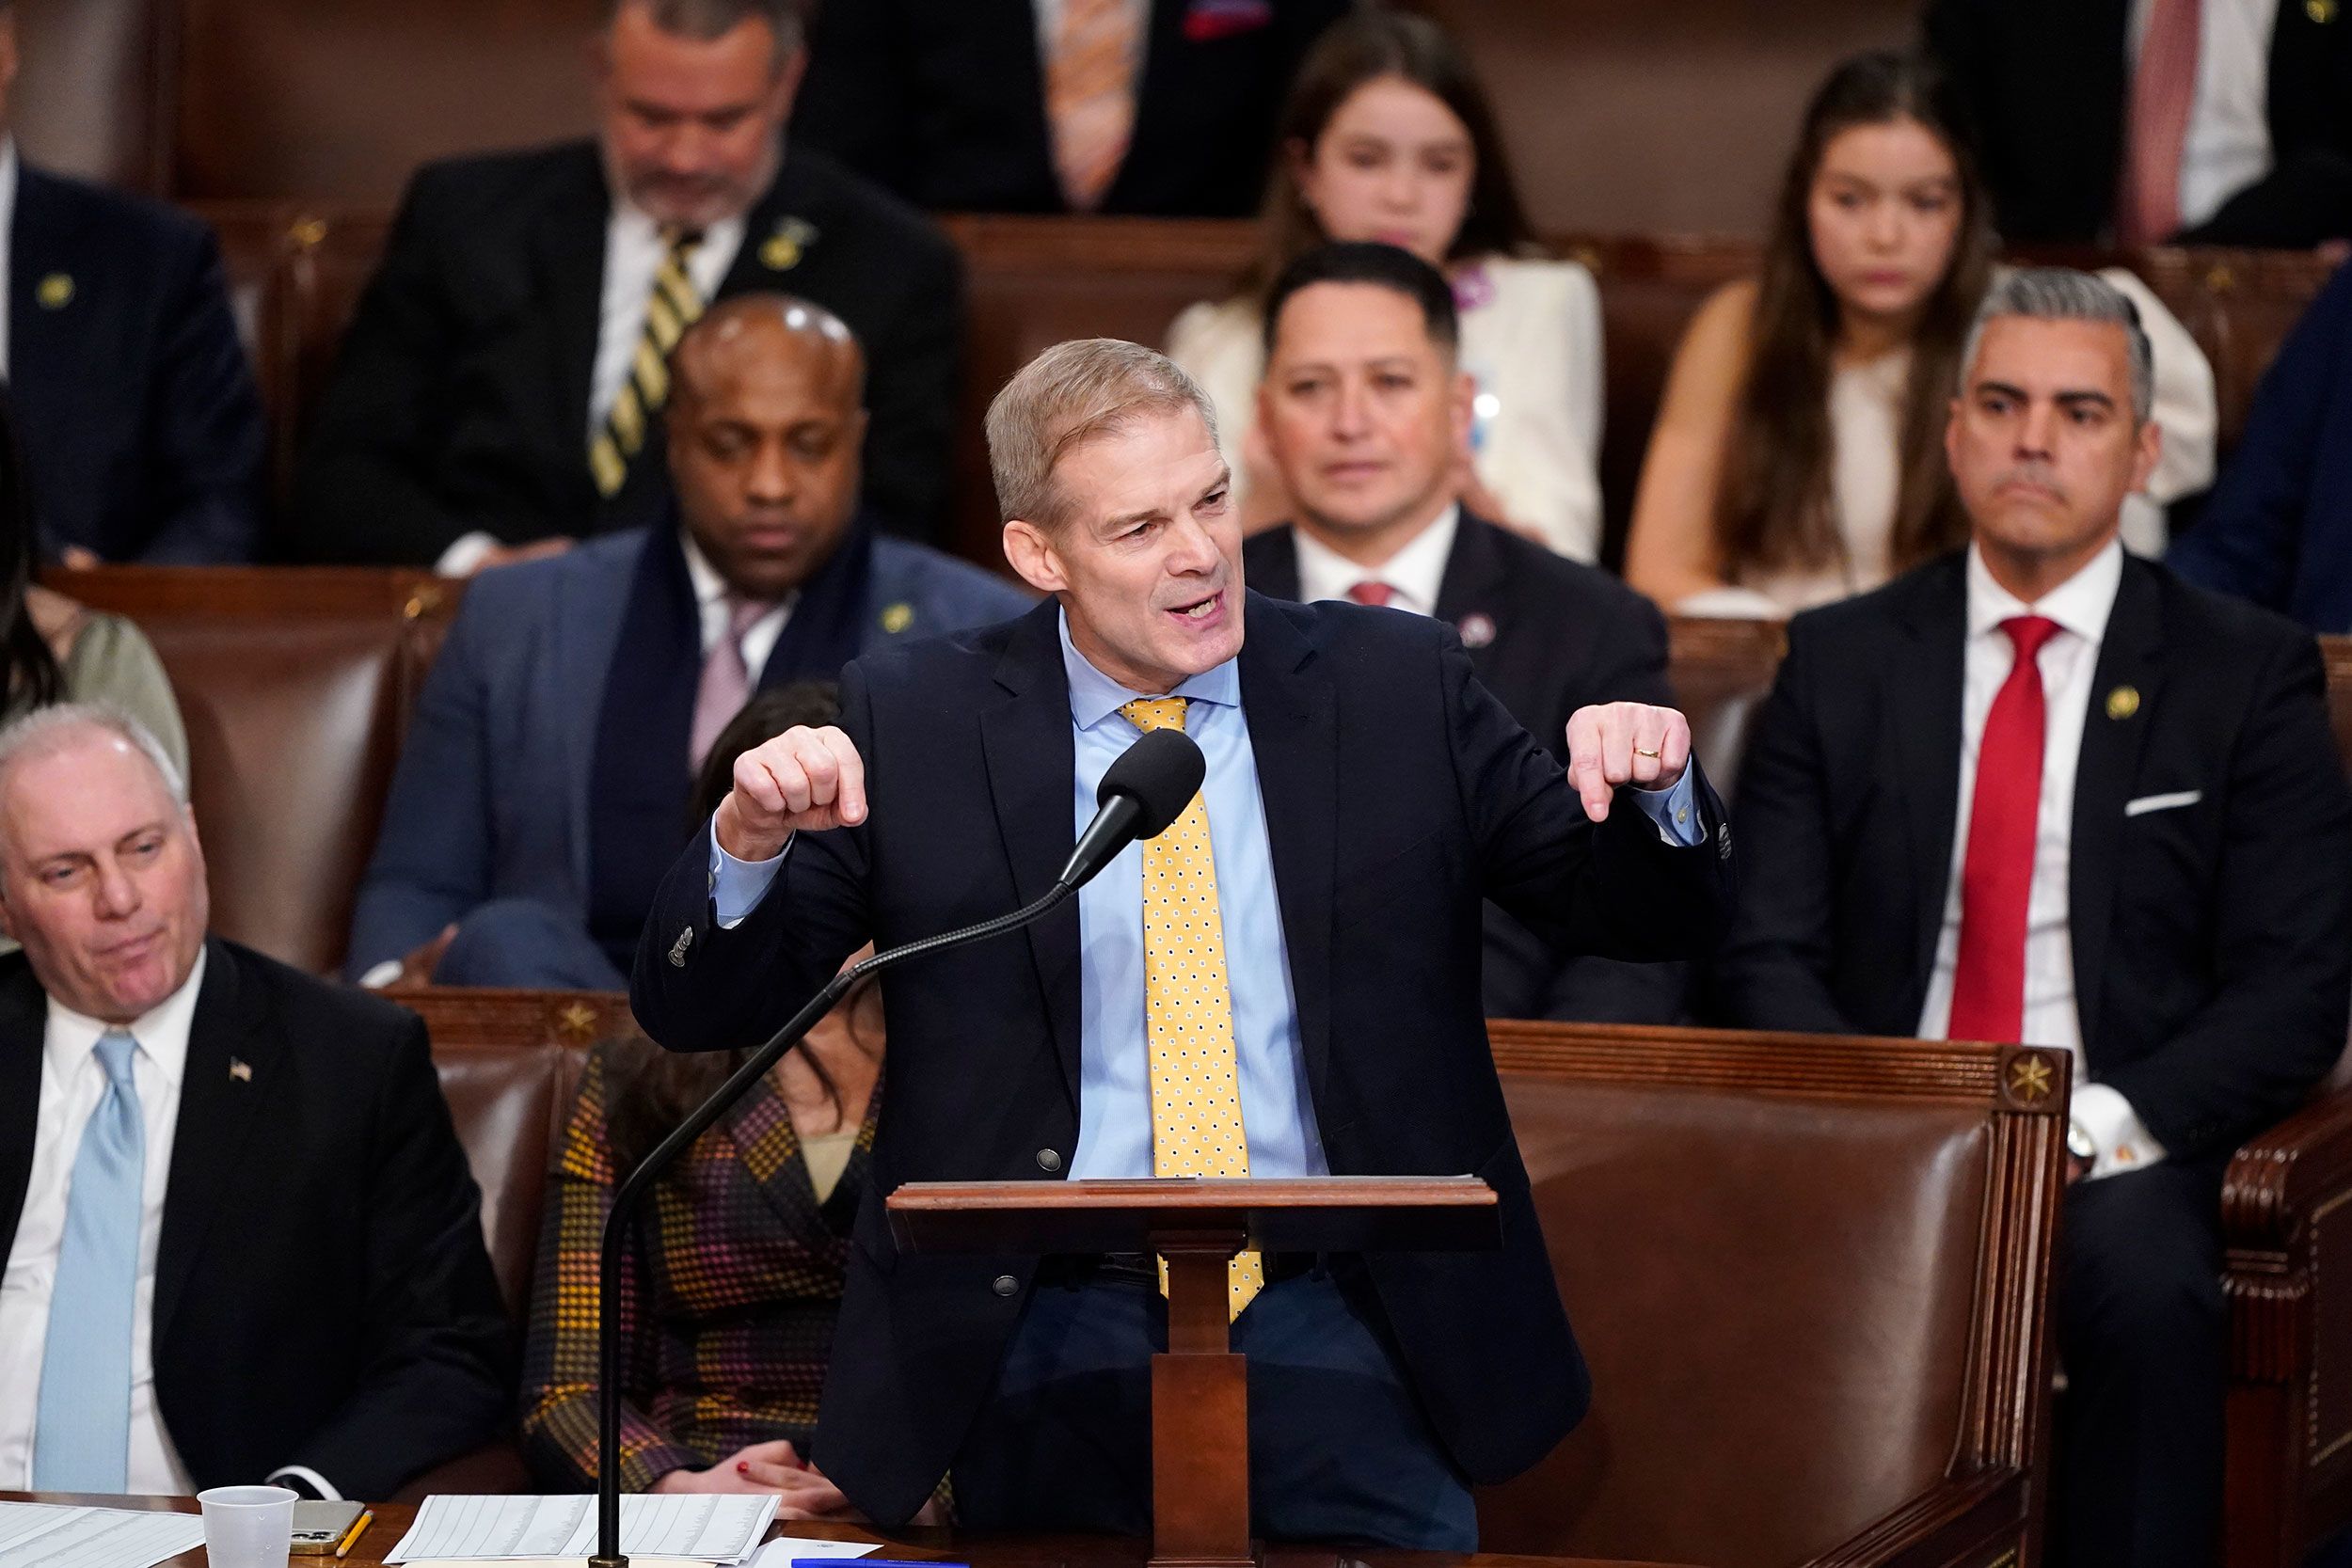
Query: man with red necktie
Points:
[2040, 791]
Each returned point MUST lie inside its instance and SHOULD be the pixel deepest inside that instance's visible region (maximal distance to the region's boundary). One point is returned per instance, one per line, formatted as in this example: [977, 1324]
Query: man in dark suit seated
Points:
[1161, 107]
[1367, 418]
[2040, 791]
[242, 1240]
[542, 787]
[2278, 527]
[2140, 122]
[1364, 795]
[133, 399]
[502, 385]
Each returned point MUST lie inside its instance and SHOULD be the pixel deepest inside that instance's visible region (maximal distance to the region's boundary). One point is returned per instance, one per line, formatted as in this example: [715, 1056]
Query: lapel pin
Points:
[240, 1072]
[782, 251]
[56, 292]
[678, 948]
[2320, 11]
[2122, 702]
[898, 618]
[1477, 630]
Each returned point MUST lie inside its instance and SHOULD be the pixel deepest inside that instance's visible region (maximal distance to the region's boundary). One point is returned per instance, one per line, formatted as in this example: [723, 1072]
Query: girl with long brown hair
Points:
[1386, 136]
[1799, 453]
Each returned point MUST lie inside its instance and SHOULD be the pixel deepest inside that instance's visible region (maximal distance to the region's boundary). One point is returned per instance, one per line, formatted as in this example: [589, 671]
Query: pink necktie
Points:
[1372, 592]
[2164, 86]
[726, 683]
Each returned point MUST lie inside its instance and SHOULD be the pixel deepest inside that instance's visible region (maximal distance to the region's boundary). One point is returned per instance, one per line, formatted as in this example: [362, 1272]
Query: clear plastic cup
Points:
[247, 1527]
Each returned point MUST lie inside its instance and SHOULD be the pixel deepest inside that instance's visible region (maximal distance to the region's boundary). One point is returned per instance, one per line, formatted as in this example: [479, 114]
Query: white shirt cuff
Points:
[2121, 1139]
[737, 886]
[1674, 811]
[308, 1478]
[464, 554]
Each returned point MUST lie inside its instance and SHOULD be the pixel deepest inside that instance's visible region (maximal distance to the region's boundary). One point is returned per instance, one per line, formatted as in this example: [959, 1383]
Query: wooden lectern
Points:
[1199, 1393]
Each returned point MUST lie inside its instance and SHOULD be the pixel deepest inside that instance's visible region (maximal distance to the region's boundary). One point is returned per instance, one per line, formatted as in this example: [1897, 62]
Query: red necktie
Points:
[1997, 879]
[1372, 592]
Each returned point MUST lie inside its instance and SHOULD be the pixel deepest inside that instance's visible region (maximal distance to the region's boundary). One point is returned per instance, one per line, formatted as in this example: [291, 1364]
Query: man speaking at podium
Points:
[1285, 983]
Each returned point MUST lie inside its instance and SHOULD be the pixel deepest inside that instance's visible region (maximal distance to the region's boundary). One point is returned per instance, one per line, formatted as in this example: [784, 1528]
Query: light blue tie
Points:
[82, 1440]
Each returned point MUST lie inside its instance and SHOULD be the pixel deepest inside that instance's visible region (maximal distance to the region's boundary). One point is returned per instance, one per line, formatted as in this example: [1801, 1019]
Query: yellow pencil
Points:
[367, 1517]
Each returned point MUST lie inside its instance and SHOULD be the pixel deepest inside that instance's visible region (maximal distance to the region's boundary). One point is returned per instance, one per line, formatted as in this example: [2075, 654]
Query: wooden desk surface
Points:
[1065, 1551]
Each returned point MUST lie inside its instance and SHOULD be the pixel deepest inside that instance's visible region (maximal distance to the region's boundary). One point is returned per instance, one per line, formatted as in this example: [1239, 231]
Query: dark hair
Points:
[649, 1090]
[1384, 265]
[705, 19]
[29, 675]
[1775, 506]
[1352, 51]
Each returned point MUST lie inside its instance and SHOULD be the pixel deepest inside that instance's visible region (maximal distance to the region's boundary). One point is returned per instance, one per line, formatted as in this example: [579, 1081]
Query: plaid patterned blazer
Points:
[727, 1306]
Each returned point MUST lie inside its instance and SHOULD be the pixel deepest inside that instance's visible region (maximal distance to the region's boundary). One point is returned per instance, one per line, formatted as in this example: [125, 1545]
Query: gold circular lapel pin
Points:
[56, 292]
[898, 618]
[782, 251]
[2122, 702]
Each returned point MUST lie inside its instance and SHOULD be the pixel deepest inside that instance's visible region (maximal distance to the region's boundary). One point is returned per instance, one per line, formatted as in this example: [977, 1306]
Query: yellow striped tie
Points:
[672, 306]
[1188, 1006]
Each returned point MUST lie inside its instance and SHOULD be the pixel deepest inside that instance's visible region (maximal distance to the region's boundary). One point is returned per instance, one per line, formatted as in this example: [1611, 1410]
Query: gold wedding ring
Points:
[1639, 752]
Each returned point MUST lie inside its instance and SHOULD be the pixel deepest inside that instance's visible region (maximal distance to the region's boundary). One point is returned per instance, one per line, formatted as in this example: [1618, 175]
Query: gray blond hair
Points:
[47, 731]
[2064, 295]
[705, 19]
[1066, 397]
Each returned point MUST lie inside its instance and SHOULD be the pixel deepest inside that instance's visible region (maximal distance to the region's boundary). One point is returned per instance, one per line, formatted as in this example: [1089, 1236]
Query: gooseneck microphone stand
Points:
[621, 1221]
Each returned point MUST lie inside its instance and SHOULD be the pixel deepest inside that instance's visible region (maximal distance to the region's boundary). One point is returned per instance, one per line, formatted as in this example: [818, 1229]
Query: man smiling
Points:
[1312, 922]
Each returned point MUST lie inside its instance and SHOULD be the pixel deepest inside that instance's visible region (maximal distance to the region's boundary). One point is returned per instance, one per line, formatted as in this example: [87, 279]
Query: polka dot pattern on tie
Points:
[1188, 1006]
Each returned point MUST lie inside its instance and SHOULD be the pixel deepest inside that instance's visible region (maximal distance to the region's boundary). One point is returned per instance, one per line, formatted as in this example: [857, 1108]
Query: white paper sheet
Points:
[46, 1535]
[709, 1528]
[780, 1552]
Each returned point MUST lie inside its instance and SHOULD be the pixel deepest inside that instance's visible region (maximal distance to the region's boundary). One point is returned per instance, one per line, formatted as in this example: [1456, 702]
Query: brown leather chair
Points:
[1809, 1276]
[297, 685]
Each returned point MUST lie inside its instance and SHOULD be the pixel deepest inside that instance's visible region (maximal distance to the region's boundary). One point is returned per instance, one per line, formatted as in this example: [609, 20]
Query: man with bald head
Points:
[187, 1128]
[543, 789]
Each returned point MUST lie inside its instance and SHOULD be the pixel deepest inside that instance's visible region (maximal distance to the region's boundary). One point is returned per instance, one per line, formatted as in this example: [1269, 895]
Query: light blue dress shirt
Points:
[1114, 1058]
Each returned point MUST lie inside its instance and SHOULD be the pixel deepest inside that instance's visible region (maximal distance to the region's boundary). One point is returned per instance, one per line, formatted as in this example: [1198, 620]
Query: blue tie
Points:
[82, 1437]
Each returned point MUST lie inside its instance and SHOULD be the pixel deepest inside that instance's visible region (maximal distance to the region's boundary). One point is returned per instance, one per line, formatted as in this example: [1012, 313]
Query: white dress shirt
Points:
[2069, 663]
[1413, 574]
[2228, 145]
[71, 1084]
[8, 239]
[710, 597]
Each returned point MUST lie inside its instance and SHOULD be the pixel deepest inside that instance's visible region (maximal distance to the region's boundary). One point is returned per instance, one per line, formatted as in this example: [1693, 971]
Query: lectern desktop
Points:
[1200, 1399]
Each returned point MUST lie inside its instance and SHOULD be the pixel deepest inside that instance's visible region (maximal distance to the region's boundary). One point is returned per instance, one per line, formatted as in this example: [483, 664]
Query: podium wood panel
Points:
[1013, 1551]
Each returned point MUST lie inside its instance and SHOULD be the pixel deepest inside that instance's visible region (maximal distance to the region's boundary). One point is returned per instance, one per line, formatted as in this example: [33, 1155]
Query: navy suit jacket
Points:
[1399, 794]
[2211, 929]
[491, 797]
[1548, 635]
[2278, 527]
[323, 1296]
[134, 401]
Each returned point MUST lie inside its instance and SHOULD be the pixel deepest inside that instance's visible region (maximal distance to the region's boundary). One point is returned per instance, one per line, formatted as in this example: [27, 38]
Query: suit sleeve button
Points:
[1049, 1159]
[1006, 1285]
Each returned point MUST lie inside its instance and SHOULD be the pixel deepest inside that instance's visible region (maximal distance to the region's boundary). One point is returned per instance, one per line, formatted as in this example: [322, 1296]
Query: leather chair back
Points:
[296, 686]
[1801, 1271]
[510, 1063]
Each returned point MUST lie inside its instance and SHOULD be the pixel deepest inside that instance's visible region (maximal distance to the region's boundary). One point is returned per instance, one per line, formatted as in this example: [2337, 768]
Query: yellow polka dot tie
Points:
[1188, 1008]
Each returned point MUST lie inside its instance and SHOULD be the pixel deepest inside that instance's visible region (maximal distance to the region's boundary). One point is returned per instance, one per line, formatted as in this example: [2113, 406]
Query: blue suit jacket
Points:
[490, 800]
[134, 403]
[1399, 794]
[2278, 528]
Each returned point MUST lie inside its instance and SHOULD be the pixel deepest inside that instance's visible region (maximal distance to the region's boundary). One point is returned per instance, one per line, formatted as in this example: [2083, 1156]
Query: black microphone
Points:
[1142, 792]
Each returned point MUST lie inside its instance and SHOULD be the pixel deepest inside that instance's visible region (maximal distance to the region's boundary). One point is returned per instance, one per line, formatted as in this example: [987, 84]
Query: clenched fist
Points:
[1619, 743]
[803, 778]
